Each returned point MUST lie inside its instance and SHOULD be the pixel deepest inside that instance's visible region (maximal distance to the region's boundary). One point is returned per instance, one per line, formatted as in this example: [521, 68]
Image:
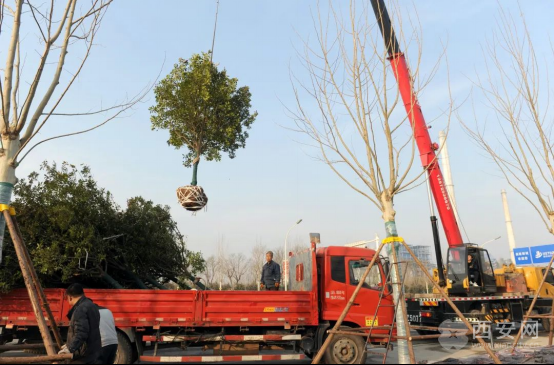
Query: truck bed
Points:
[175, 308]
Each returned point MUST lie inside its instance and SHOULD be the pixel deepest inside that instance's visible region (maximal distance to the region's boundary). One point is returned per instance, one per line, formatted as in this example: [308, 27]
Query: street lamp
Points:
[286, 254]
[494, 239]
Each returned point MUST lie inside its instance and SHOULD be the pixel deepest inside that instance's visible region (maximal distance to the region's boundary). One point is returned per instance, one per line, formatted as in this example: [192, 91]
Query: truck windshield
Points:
[357, 269]
[457, 264]
[549, 277]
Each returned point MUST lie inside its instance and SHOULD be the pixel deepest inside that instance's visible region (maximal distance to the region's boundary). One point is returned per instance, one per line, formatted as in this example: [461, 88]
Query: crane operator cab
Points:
[469, 271]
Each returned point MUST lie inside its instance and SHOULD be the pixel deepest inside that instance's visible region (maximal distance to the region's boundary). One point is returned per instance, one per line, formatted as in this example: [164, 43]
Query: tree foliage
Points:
[76, 232]
[203, 109]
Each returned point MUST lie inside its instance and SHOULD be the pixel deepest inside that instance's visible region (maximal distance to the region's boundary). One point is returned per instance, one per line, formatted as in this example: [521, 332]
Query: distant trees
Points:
[238, 271]
[257, 260]
[76, 232]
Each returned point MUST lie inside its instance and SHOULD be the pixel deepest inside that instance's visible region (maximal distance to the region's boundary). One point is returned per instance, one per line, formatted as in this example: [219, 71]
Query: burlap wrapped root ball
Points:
[192, 198]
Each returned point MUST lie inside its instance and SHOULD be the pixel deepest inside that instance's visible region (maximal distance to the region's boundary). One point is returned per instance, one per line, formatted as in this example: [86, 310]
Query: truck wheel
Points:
[124, 353]
[345, 349]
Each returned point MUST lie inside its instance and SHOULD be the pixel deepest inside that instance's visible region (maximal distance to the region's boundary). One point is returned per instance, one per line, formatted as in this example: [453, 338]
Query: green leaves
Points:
[63, 214]
[203, 109]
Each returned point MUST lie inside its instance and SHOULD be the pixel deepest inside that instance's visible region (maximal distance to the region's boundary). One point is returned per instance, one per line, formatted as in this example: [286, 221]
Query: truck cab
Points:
[339, 272]
[465, 278]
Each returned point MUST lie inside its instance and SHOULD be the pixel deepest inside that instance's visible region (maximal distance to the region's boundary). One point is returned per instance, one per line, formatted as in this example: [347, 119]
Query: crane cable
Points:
[215, 29]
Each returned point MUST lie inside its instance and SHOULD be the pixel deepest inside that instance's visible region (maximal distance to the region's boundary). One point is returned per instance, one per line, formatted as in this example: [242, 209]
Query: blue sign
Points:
[542, 254]
[523, 256]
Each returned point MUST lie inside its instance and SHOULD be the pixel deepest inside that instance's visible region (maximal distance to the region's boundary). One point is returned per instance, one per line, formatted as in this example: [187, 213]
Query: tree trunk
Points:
[195, 171]
[181, 284]
[10, 146]
[155, 282]
[111, 281]
[197, 283]
[396, 276]
[138, 281]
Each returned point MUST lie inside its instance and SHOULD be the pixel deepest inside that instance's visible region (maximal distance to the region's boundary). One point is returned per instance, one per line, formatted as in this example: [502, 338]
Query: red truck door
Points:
[364, 310]
[334, 288]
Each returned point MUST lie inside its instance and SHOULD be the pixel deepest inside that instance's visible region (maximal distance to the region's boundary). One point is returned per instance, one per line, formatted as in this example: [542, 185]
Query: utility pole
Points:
[509, 228]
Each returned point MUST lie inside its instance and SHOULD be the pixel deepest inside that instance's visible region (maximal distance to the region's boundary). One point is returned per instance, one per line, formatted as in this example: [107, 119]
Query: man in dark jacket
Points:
[83, 338]
[271, 274]
[474, 272]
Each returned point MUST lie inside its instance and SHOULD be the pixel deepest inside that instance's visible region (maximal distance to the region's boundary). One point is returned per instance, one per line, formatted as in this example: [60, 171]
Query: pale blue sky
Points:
[274, 181]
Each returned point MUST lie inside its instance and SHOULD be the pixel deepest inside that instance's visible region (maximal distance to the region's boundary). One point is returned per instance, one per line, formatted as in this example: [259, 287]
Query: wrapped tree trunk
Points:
[396, 277]
[10, 146]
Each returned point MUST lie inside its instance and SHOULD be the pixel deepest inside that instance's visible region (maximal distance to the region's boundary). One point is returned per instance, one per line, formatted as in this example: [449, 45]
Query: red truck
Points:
[321, 281]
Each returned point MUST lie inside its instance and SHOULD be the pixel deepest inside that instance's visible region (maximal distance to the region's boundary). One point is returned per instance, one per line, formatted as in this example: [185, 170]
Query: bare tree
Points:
[350, 108]
[211, 271]
[257, 260]
[221, 261]
[299, 244]
[516, 87]
[357, 127]
[30, 99]
[236, 267]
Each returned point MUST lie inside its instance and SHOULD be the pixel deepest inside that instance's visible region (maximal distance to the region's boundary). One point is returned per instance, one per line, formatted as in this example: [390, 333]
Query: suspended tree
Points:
[349, 106]
[205, 112]
[53, 40]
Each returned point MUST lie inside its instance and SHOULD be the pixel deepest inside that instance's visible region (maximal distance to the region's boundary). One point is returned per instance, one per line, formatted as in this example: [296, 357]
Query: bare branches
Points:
[59, 30]
[8, 72]
[354, 119]
[55, 80]
[121, 109]
[517, 88]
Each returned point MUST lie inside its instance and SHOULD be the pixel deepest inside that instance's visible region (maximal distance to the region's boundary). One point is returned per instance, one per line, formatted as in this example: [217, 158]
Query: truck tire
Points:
[346, 349]
[124, 353]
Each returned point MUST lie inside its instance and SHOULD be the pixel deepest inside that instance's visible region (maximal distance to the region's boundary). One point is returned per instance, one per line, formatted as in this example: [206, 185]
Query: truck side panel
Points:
[259, 308]
[16, 308]
[178, 308]
[149, 307]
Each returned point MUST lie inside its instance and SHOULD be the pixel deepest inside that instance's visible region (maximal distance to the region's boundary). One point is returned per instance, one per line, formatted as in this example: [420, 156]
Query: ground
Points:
[426, 351]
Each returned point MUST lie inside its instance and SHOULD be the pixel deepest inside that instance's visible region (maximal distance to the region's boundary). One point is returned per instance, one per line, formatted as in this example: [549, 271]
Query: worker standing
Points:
[83, 337]
[108, 335]
[271, 274]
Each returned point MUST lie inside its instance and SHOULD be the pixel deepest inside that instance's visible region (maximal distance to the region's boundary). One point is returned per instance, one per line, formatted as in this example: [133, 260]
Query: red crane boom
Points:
[421, 132]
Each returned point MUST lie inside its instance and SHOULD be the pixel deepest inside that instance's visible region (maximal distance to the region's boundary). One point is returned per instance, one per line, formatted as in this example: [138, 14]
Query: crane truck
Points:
[496, 299]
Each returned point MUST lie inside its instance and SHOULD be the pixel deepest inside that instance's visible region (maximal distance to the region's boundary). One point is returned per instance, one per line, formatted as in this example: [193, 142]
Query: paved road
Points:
[428, 350]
